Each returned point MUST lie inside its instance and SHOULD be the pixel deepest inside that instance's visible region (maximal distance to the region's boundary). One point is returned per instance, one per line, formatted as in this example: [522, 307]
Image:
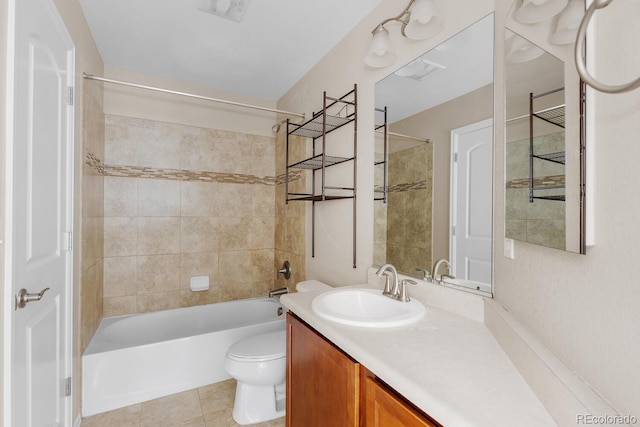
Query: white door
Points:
[39, 182]
[472, 201]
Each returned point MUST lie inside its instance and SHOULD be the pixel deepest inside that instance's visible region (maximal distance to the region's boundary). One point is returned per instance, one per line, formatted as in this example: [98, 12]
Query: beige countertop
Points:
[448, 365]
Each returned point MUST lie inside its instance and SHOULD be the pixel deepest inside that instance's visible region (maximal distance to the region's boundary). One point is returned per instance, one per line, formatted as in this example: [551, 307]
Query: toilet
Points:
[258, 363]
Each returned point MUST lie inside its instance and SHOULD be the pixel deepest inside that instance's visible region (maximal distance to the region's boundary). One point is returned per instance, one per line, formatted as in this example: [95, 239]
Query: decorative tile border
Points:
[184, 175]
[398, 188]
[537, 182]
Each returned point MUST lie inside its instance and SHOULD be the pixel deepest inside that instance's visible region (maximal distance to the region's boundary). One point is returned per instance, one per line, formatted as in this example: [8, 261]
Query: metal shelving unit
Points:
[555, 116]
[335, 113]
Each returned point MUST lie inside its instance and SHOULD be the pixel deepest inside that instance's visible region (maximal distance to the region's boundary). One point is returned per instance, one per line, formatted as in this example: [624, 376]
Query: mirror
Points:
[436, 109]
[543, 150]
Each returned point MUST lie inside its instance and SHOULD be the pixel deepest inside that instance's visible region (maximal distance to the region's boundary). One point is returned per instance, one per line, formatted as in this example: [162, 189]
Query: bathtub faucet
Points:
[278, 292]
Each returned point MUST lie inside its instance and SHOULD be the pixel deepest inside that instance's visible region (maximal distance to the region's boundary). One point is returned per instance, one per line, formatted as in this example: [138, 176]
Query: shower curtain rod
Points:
[405, 136]
[190, 95]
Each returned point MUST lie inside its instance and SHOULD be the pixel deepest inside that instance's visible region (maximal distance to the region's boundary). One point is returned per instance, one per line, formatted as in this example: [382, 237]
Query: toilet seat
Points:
[260, 348]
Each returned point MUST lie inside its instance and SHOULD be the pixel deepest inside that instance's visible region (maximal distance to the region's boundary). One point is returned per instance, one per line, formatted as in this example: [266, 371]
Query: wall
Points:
[184, 201]
[583, 307]
[336, 73]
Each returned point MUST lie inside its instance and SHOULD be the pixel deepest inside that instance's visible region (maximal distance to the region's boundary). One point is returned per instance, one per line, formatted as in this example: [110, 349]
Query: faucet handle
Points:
[426, 276]
[404, 293]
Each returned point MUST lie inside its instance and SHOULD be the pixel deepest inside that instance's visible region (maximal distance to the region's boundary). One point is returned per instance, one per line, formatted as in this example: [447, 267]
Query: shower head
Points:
[276, 128]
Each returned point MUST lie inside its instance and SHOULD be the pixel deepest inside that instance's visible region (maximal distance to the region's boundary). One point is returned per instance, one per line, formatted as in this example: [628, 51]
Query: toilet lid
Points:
[262, 347]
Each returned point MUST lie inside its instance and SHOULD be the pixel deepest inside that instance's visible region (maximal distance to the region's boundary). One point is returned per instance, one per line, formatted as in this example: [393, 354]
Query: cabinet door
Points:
[385, 409]
[322, 382]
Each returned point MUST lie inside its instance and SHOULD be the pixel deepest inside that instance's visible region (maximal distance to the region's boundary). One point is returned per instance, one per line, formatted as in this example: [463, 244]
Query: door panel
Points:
[472, 201]
[41, 205]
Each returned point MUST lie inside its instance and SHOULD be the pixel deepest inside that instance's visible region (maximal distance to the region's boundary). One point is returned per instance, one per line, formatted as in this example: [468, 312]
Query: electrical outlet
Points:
[509, 251]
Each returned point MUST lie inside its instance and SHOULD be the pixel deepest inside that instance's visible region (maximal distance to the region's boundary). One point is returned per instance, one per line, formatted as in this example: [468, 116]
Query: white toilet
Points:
[258, 363]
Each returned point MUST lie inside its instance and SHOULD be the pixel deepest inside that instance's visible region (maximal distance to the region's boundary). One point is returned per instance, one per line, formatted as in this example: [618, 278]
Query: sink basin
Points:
[366, 307]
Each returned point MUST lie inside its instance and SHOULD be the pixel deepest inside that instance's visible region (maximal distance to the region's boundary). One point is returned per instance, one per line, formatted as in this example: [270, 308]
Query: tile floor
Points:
[208, 406]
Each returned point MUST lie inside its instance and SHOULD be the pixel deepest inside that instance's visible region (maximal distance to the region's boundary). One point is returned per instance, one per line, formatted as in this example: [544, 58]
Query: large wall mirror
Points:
[544, 137]
[434, 161]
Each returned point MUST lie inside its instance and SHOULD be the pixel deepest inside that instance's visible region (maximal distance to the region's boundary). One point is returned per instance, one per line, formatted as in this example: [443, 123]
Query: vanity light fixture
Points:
[420, 20]
[520, 50]
[534, 11]
[568, 23]
[228, 9]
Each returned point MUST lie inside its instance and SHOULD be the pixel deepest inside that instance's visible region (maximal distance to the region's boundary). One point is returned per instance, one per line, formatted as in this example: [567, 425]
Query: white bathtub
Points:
[139, 357]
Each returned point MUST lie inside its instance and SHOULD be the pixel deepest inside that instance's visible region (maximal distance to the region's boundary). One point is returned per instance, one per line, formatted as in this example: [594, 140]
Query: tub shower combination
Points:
[139, 357]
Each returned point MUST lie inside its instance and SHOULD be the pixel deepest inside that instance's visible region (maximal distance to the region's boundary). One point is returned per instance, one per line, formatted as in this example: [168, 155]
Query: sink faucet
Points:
[437, 265]
[391, 286]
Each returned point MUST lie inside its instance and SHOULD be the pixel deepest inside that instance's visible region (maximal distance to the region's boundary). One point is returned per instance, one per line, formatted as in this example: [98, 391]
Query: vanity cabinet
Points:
[326, 387]
[322, 381]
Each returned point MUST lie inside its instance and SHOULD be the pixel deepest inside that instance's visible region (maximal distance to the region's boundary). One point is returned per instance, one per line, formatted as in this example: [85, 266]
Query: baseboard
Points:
[569, 400]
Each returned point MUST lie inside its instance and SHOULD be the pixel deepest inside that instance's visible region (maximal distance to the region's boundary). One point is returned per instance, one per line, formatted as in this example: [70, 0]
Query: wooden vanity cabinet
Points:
[323, 383]
[382, 407]
[327, 388]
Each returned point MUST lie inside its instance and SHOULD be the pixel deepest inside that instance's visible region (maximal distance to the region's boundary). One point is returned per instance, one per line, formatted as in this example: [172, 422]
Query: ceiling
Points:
[264, 55]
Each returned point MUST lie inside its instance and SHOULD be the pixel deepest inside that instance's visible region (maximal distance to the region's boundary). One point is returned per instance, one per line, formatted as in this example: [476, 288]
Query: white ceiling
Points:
[264, 55]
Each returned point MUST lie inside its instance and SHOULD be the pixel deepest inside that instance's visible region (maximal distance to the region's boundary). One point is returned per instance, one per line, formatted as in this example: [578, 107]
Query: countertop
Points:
[448, 365]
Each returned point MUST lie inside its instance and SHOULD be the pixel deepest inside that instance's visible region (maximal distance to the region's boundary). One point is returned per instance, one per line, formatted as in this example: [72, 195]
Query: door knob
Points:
[23, 297]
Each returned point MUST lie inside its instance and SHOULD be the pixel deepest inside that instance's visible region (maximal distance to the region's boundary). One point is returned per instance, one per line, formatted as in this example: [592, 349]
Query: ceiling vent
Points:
[228, 9]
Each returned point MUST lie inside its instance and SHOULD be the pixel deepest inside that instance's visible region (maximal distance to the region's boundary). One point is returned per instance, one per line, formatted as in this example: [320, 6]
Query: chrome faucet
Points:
[391, 284]
[393, 288]
[436, 267]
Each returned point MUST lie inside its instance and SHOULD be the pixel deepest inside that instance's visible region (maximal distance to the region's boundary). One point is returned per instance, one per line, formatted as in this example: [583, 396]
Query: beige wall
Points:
[583, 307]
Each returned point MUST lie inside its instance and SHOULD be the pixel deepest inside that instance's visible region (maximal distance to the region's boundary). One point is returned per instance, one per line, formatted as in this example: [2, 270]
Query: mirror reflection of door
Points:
[447, 88]
[472, 201]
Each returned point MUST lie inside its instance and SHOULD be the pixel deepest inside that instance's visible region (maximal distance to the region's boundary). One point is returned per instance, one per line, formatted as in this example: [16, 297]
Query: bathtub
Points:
[135, 358]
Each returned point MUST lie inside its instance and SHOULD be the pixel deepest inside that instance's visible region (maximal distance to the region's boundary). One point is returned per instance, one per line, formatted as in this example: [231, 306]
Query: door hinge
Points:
[67, 387]
[70, 95]
[69, 240]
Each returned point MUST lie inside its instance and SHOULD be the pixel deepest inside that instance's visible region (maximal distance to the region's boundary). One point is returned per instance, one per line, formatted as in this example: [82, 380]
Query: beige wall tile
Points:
[262, 261]
[118, 306]
[158, 235]
[198, 264]
[234, 153]
[235, 200]
[199, 234]
[263, 200]
[199, 199]
[263, 156]
[158, 273]
[119, 276]
[234, 233]
[157, 301]
[263, 232]
[198, 152]
[234, 268]
[120, 236]
[157, 197]
[120, 196]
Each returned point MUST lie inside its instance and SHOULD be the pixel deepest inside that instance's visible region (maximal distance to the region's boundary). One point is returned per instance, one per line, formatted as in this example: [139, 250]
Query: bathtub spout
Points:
[278, 292]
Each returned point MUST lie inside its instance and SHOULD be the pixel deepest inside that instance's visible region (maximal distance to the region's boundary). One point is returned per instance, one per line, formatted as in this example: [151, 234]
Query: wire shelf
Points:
[314, 127]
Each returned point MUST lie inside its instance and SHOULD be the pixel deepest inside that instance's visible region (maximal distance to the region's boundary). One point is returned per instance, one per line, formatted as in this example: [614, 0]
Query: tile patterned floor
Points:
[208, 406]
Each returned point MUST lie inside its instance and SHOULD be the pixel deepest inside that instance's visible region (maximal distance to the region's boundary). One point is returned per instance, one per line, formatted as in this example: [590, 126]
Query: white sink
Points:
[366, 307]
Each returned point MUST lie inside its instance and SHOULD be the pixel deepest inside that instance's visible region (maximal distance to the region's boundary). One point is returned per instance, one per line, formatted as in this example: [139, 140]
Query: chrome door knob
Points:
[23, 297]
